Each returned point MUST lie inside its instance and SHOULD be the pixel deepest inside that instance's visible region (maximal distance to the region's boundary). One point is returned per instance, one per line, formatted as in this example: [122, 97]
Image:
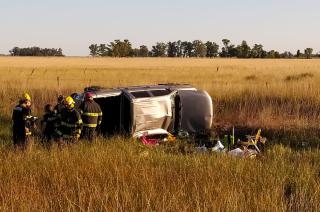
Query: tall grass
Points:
[282, 96]
[118, 175]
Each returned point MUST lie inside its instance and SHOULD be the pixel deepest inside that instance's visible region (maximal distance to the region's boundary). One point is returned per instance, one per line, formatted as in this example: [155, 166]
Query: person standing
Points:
[21, 115]
[91, 115]
[60, 105]
[70, 122]
[49, 124]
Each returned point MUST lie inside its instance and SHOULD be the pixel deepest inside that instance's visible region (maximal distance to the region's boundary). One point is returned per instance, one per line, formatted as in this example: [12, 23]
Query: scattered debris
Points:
[218, 147]
[250, 148]
[154, 137]
[243, 153]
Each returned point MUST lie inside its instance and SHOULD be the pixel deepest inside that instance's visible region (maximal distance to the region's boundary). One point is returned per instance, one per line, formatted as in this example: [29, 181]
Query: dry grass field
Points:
[266, 93]
[281, 96]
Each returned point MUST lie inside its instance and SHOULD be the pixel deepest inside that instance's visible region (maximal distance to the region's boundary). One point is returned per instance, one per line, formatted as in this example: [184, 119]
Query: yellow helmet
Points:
[26, 97]
[70, 101]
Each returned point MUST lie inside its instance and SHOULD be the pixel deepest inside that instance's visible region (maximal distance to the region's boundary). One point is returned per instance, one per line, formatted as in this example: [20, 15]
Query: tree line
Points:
[196, 48]
[35, 51]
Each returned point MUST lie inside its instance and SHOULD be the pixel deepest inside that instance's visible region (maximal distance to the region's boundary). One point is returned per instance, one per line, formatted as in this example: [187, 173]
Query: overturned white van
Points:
[171, 107]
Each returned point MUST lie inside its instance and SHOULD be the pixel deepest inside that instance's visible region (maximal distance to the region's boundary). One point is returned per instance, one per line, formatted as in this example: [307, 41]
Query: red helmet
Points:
[88, 95]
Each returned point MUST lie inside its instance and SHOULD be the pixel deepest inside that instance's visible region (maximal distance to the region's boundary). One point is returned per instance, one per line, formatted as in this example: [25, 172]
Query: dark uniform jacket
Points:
[51, 122]
[70, 123]
[20, 118]
[91, 114]
[58, 108]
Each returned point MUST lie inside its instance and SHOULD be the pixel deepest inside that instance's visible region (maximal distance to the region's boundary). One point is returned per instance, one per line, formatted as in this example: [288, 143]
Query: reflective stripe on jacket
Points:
[71, 123]
[91, 114]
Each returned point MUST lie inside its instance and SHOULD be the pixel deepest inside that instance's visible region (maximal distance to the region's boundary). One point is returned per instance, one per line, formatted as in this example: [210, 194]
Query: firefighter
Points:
[60, 105]
[91, 115]
[21, 116]
[49, 124]
[70, 122]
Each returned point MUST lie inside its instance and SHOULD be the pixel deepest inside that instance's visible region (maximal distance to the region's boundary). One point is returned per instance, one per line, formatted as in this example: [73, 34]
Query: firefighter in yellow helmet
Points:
[71, 122]
[22, 121]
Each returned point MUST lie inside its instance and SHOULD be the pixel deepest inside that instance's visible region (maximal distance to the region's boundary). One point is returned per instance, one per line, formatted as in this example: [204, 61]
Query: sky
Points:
[284, 25]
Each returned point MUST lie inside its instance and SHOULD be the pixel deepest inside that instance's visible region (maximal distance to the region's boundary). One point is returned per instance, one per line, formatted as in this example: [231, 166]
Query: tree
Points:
[273, 54]
[159, 50]
[286, 54]
[60, 52]
[120, 48]
[228, 50]
[15, 51]
[102, 50]
[179, 48]
[187, 49]
[143, 51]
[225, 48]
[212, 49]
[233, 51]
[308, 53]
[244, 50]
[258, 52]
[136, 52]
[183, 48]
[200, 49]
[172, 49]
[36, 51]
[226, 42]
[298, 53]
[94, 50]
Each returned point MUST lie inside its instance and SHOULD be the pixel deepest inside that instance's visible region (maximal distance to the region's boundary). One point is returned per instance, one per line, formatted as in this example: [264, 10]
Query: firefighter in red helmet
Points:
[91, 116]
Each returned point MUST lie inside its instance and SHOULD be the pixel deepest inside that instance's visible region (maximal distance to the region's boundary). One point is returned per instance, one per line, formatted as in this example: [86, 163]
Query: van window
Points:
[140, 94]
[160, 92]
